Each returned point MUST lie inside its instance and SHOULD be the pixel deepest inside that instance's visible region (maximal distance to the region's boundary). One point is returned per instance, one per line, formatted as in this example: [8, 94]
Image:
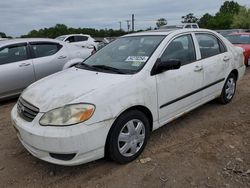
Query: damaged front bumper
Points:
[70, 145]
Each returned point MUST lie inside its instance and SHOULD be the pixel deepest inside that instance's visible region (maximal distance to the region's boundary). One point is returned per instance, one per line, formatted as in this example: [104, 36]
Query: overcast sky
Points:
[18, 17]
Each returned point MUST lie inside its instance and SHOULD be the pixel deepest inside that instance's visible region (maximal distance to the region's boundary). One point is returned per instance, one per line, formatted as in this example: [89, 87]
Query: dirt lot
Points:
[209, 147]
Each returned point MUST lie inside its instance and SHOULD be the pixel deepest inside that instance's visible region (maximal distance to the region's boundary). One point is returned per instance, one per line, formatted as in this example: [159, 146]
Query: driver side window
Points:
[181, 49]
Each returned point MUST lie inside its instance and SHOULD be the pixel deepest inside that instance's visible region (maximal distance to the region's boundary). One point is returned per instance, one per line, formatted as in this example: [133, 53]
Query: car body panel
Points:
[15, 76]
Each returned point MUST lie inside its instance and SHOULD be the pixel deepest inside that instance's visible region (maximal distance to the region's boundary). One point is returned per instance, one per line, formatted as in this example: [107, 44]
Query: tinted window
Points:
[71, 39]
[45, 49]
[188, 26]
[194, 26]
[13, 54]
[81, 38]
[209, 45]
[182, 49]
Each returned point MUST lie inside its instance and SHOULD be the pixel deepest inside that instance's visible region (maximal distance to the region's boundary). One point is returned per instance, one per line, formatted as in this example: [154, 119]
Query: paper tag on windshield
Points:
[142, 59]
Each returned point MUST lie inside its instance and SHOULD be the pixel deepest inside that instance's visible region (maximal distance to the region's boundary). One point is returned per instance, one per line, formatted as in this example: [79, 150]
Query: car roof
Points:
[169, 31]
[74, 35]
[24, 40]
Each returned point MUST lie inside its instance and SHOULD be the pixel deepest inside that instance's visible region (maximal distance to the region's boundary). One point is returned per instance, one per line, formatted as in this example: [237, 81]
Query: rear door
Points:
[215, 61]
[178, 90]
[16, 69]
[48, 58]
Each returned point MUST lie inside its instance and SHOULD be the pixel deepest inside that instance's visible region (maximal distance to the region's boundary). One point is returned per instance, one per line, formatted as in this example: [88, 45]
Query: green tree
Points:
[189, 18]
[206, 20]
[242, 19]
[222, 19]
[160, 22]
[230, 7]
[2, 35]
[61, 29]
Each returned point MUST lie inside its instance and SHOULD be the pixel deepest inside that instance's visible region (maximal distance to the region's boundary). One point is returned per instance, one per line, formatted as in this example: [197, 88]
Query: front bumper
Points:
[86, 142]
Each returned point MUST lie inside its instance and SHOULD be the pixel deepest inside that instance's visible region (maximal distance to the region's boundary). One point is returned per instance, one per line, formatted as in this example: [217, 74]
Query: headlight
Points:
[68, 115]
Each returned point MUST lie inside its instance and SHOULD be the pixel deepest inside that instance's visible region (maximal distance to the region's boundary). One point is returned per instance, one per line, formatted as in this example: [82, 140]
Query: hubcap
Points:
[131, 137]
[230, 88]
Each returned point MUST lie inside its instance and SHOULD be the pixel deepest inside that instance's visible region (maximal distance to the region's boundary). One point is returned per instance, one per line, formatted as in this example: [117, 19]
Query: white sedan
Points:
[109, 104]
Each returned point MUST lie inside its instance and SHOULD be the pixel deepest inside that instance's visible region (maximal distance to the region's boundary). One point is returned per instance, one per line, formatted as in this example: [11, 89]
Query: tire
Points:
[228, 90]
[128, 136]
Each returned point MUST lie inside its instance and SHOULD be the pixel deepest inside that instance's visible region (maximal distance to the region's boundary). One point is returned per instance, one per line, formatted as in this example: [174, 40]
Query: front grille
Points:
[26, 110]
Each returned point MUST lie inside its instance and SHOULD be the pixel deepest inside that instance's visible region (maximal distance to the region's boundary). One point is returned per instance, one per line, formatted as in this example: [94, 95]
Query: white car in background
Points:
[81, 40]
[24, 61]
[3, 39]
[109, 104]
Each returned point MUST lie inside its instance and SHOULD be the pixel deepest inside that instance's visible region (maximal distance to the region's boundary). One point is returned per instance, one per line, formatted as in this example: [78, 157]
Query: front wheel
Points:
[228, 90]
[128, 136]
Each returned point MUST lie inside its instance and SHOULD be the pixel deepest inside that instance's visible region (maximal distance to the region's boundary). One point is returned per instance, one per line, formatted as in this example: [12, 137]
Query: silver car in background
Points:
[24, 61]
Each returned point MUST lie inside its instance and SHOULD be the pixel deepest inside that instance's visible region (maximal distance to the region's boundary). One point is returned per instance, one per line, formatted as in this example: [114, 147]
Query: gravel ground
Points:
[208, 147]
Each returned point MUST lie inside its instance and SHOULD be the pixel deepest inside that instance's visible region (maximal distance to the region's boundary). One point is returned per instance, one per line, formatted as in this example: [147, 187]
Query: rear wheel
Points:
[128, 136]
[228, 90]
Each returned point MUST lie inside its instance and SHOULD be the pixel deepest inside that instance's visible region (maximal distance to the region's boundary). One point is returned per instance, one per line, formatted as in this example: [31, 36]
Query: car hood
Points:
[64, 87]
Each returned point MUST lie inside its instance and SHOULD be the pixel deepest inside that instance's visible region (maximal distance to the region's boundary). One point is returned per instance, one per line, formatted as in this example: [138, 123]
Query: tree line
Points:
[230, 15]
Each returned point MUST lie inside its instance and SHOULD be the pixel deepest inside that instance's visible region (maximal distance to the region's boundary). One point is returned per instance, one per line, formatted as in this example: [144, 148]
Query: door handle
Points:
[198, 68]
[62, 57]
[24, 64]
[226, 58]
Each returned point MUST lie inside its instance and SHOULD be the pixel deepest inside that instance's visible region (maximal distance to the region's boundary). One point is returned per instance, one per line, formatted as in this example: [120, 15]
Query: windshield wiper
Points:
[105, 67]
[80, 65]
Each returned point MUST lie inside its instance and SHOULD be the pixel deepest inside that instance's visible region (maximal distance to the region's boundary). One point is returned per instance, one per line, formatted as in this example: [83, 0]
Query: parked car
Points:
[24, 61]
[81, 40]
[181, 26]
[109, 104]
[3, 39]
[241, 40]
[102, 42]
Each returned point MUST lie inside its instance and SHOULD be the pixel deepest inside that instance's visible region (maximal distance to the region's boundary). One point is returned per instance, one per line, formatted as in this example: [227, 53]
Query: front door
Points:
[178, 90]
[16, 69]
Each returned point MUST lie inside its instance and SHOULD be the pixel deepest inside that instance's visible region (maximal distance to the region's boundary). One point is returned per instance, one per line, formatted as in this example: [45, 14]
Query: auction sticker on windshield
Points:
[142, 59]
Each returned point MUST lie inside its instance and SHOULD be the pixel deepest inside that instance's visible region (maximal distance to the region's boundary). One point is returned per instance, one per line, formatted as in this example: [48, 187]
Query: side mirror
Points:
[67, 41]
[165, 65]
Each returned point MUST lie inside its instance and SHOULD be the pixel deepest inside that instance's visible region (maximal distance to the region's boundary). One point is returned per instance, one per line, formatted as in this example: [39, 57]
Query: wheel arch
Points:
[140, 108]
[235, 72]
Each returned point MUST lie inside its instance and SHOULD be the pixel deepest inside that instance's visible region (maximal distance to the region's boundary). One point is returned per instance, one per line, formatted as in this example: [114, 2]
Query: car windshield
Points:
[126, 55]
[239, 39]
[61, 38]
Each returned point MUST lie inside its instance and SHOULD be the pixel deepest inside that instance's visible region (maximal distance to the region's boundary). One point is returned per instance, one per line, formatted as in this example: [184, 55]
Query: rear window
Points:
[81, 38]
[45, 49]
[209, 45]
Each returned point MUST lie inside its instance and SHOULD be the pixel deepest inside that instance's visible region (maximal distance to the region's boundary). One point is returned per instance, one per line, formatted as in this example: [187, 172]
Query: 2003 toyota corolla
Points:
[109, 104]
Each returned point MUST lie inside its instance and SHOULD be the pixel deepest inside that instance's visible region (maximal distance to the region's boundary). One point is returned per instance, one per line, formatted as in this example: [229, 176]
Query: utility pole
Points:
[133, 22]
[128, 24]
[120, 25]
